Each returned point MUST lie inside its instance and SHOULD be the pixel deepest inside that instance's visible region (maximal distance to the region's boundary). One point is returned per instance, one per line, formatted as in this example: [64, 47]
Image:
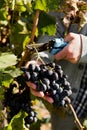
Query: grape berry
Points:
[50, 79]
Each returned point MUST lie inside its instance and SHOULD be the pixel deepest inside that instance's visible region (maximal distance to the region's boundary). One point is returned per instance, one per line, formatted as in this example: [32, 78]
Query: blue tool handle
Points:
[59, 44]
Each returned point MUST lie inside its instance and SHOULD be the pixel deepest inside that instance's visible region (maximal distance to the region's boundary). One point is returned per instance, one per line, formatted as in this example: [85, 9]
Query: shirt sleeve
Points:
[83, 58]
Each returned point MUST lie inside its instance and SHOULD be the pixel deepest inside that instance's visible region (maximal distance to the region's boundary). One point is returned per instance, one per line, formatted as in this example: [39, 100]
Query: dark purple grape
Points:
[62, 103]
[31, 67]
[27, 75]
[49, 73]
[56, 97]
[69, 92]
[54, 76]
[53, 92]
[35, 119]
[46, 81]
[60, 73]
[37, 68]
[52, 65]
[55, 86]
[34, 76]
[42, 66]
[44, 87]
[57, 67]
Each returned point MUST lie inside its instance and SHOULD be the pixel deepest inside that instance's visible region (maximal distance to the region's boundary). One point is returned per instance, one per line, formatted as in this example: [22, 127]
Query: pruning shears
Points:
[53, 46]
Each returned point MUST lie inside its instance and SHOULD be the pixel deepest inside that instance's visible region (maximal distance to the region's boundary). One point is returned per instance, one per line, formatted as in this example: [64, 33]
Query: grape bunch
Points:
[17, 98]
[50, 79]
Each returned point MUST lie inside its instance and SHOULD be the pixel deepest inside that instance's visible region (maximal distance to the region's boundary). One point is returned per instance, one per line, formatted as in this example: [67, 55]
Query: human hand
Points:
[32, 86]
[71, 52]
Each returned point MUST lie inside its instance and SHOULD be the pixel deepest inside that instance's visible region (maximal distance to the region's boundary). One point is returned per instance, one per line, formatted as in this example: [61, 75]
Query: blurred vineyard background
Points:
[23, 22]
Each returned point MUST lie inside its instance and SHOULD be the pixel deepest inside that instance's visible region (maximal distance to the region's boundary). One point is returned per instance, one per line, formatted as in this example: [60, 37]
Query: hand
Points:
[38, 94]
[71, 52]
[32, 86]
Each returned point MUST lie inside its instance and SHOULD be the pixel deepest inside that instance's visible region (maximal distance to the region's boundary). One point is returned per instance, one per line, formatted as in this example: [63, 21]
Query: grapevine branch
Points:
[79, 125]
[32, 37]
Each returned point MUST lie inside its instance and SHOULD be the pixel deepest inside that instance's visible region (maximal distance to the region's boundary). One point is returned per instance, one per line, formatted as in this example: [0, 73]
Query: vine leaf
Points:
[85, 124]
[46, 5]
[3, 14]
[17, 122]
[41, 5]
[47, 26]
[5, 79]
[13, 71]
[7, 75]
[19, 6]
[7, 59]
[2, 2]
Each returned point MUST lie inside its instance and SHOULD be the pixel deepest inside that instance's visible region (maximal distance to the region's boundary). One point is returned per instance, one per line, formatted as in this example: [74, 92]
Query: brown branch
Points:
[79, 125]
[32, 37]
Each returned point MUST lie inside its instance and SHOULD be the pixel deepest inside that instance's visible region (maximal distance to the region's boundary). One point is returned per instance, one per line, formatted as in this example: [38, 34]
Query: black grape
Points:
[20, 100]
[51, 80]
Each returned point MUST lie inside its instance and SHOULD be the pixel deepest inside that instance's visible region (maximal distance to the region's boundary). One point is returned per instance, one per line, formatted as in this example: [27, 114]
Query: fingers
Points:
[49, 99]
[69, 37]
[60, 55]
[41, 94]
[72, 51]
[31, 85]
[38, 94]
[35, 93]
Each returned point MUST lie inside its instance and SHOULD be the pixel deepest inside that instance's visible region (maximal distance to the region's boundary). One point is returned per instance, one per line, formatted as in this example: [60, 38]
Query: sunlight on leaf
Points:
[85, 124]
[46, 5]
[7, 59]
[17, 122]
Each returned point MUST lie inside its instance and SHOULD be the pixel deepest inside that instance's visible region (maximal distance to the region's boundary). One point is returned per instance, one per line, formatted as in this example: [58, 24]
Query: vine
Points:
[21, 23]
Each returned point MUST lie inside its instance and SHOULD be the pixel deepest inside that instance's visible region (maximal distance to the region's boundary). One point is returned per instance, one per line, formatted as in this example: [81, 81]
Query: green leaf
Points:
[35, 126]
[41, 5]
[7, 59]
[17, 37]
[6, 128]
[13, 71]
[7, 75]
[53, 4]
[47, 26]
[46, 5]
[5, 79]
[26, 41]
[85, 124]
[1, 3]
[17, 122]
[19, 6]
[3, 14]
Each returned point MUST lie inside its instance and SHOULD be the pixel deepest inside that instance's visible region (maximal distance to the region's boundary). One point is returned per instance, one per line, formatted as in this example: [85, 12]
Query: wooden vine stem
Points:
[79, 125]
[32, 37]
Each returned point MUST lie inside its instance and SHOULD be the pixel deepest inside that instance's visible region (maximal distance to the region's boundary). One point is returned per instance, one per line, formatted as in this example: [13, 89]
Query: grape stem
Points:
[78, 123]
[38, 56]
